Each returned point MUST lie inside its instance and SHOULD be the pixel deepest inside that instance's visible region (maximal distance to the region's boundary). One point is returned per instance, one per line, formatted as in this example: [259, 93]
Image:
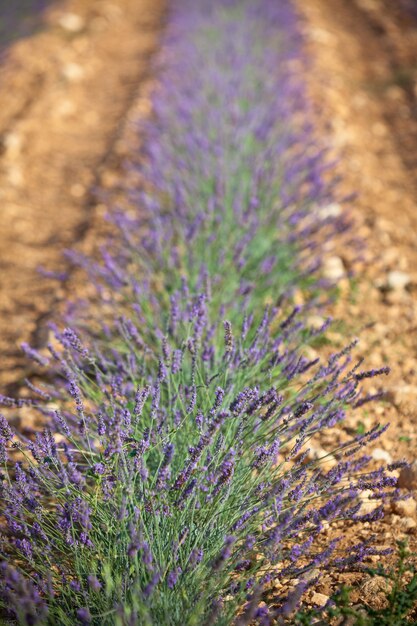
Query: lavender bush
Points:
[172, 483]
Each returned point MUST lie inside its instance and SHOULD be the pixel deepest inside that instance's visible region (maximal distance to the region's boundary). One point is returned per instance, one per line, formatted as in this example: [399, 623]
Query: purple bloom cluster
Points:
[173, 483]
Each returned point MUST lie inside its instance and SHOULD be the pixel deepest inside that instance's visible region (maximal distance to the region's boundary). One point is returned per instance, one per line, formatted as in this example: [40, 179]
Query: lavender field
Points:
[180, 476]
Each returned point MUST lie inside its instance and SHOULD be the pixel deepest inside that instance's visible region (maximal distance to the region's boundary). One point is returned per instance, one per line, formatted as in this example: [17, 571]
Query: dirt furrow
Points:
[363, 78]
[65, 92]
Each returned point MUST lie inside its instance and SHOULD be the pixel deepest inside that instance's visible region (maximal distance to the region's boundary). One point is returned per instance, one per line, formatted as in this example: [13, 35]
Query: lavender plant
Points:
[172, 482]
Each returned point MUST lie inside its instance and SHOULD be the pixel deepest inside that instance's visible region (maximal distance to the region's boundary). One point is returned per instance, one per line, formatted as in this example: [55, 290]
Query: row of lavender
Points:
[172, 483]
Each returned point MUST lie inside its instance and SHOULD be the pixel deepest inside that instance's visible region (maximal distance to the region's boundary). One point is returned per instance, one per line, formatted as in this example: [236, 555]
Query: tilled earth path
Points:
[64, 92]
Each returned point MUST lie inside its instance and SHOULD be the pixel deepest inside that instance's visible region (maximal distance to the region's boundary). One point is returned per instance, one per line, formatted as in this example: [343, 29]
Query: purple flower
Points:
[372, 373]
[172, 577]
[225, 553]
[94, 583]
[228, 336]
[83, 615]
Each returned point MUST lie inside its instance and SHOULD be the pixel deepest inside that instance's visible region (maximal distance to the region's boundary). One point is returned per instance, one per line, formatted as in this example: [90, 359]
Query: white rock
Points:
[13, 143]
[330, 210]
[65, 108]
[71, 22]
[381, 455]
[405, 508]
[402, 393]
[15, 176]
[398, 280]
[333, 268]
[319, 599]
[313, 573]
[408, 477]
[368, 503]
[73, 71]
[409, 524]
[325, 459]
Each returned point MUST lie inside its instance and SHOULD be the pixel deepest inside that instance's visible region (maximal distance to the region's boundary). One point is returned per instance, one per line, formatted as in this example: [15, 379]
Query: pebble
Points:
[405, 508]
[408, 477]
[402, 394]
[319, 599]
[13, 144]
[333, 268]
[381, 455]
[65, 108]
[72, 22]
[325, 460]
[368, 503]
[331, 210]
[408, 524]
[315, 321]
[73, 71]
[374, 585]
[312, 574]
[398, 280]
[15, 176]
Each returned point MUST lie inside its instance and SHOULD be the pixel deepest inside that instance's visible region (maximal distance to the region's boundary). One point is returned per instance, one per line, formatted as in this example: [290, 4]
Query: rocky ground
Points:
[363, 79]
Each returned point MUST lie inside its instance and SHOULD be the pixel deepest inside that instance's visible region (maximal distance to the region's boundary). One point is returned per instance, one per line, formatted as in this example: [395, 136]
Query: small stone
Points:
[315, 321]
[330, 210]
[312, 574]
[13, 144]
[381, 455]
[15, 176]
[73, 71]
[405, 508]
[72, 22]
[402, 395]
[324, 459]
[398, 280]
[319, 599]
[65, 108]
[376, 584]
[333, 268]
[408, 477]
[325, 526]
[368, 502]
[409, 524]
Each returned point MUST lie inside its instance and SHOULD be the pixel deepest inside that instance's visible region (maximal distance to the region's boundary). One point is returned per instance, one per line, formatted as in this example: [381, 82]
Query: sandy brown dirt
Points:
[363, 78]
[64, 94]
